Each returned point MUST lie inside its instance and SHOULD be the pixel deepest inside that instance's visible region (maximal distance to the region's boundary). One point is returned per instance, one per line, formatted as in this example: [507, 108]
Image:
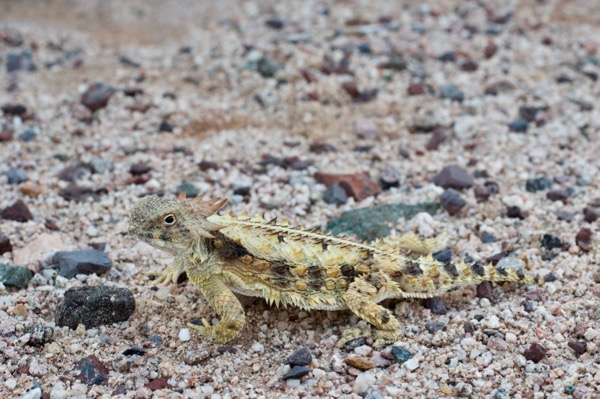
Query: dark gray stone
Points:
[190, 190]
[296, 372]
[15, 176]
[267, 67]
[372, 223]
[302, 357]
[5, 244]
[453, 176]
[334, 194]
[84, 261]
[15, 276]
[436, 305]
[433, 326]
[452, 201]
[95, 306]
[97, 96]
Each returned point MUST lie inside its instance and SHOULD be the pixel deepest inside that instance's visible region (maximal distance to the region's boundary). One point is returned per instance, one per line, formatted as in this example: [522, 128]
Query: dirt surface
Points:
[249, 100]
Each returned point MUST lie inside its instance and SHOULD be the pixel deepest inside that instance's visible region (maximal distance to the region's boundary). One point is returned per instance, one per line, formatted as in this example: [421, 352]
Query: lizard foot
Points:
[168, 276]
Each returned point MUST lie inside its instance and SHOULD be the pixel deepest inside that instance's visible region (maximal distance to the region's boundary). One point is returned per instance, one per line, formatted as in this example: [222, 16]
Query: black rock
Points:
[518, 125]
[453, 176]
[529, 112]
[296, 372]
[302, 357]
[401, 354]
[452, 201]
[558, 195]
[15, 276]
[267, 67]
[528, 307]
[92, 371]
[355, 343]
[14, 109]
[74, 192]
[134, 350]
[244, 191]
[515, 212]
[84, 261]
[94, 306]
[550, 277]
[433, 326]
[140, 168]
[550, 242]
[40, 335]
[15, 176]
[334, 194]
[538, 184]
[165, 127]
[275, 23]
[17, 212]
[97, 96]
[436, 305]
[5, 244]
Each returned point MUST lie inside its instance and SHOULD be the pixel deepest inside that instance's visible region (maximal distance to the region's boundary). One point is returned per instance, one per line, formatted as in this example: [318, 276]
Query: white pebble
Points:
[318, 373]
[411, 364]
[363, 382]
[590, 334]
[293, 383]
[258, 347]
[550, 288]
[184, 335]
[510, 337]
[11, 383]
[33, 394]
[363, 350]
[58, 391]
[493, 322]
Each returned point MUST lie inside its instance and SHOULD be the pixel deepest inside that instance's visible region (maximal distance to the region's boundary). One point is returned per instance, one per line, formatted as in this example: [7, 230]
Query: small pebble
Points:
[302, 357]
[359, 363]
[535, 353]
[401, 354]
[28, 135]
[550, 242]
[5, 244]
[84, 261]
[518, 125]
[15, 276]
[412, 364]
[436, 305]
[433, 326]
[92, 371]
[452, 201]
[363, 382]
[165, 127]
[580, 347]
[334, 194]
[296, 372]
[453, 176]
[451, 92]
[557, 195]
[18, 212]
[538, 184]
[39, 335]
[258, 347]
[97, 96]
[184, 335]
[15, 176]
[584, 239]
[485, 289]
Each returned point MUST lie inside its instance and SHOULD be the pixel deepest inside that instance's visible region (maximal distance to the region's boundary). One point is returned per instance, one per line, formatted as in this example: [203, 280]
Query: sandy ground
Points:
[239, 81]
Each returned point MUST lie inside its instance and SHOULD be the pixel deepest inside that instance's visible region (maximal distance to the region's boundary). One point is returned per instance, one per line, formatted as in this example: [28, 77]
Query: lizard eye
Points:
[169, 220]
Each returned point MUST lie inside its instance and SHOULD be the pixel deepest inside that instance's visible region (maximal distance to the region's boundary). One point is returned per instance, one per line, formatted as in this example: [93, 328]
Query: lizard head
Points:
[173, 225]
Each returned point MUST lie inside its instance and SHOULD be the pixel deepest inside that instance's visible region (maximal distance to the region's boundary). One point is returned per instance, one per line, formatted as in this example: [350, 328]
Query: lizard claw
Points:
[168, 276]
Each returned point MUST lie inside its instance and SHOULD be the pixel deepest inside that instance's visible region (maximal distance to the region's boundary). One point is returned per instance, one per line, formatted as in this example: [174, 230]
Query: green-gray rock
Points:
[15, 276]
[372, 223]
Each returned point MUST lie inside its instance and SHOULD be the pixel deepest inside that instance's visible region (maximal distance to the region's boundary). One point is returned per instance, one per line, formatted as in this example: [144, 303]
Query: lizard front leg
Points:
[224, 303]
[360, 299]
[171, 274]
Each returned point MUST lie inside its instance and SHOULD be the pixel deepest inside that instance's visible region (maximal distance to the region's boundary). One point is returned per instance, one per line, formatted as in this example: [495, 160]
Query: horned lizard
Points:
[288, 266]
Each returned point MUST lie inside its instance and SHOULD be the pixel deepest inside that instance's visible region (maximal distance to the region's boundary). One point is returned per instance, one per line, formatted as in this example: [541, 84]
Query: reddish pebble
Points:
[357, 185]
[557, 195]
[17, 212]
[580, 347]
[485, 290]
[590, 215]
[438, 137]
[535, 353]
[139, 168]
[490, 50]
[584, 239]
[156, 384]
[416, 89]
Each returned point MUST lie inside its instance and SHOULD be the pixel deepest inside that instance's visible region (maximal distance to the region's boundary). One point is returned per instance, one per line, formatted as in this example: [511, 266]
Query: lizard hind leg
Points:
[360, 299]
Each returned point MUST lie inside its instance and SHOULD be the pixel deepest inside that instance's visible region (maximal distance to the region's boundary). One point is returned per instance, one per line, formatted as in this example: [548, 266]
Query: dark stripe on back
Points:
[478, 269]
[450, 268]
[317, 276]
[231, 250]
[413, 268]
